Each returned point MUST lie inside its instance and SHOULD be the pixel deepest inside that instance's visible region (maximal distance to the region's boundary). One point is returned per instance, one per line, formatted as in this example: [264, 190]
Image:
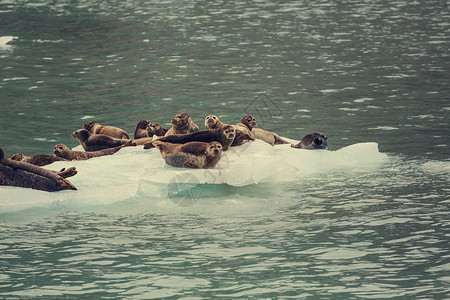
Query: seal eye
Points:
[214, 118]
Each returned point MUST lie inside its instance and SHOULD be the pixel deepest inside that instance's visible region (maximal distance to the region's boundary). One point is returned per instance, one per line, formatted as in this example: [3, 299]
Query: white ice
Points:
[135, 172]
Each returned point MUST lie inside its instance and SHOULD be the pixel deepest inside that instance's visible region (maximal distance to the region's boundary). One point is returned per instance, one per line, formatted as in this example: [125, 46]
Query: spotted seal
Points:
[198, 155]
[115, 132]
[94, 142]
[313, 140]
[224, 136]
[181, 124]
[62, 151]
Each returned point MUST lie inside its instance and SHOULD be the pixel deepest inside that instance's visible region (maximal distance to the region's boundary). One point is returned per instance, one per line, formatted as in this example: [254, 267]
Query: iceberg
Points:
[137, 173]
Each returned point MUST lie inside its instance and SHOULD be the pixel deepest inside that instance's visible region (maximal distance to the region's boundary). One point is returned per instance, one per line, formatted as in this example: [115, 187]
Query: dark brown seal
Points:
[241, 138]
[156, 129]
[314, 140]
[62, 151]
[22, 174]
[94, 142]
[37, 160]
[142, 130]
[198, 155]
[224, 136]
[115, 132]
[181, 124]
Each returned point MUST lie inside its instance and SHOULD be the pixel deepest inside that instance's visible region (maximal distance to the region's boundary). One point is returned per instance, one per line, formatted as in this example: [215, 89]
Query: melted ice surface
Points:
[135, 172]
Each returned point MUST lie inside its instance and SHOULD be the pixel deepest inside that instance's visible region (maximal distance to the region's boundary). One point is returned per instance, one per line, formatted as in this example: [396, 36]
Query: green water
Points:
[359, 71]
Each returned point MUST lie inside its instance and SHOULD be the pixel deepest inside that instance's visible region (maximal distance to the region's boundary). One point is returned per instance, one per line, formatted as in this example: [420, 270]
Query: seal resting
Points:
[63, 152]
[94, 142]
[197, 155]
[246, 124]
[115, 132]
[22, 174]
[182, 124]
[156, 129]
[268, 136]
[225, 136]
[142, 141]
[142, 130]
[314, 140]
[213, 122]
[241, 138]
[37, 160]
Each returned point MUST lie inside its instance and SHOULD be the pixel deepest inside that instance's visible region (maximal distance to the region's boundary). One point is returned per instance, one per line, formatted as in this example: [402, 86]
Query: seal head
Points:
[181, 124]
[312, 141]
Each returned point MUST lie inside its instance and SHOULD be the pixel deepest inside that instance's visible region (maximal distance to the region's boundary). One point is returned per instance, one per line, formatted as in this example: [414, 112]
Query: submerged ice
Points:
[135, 172]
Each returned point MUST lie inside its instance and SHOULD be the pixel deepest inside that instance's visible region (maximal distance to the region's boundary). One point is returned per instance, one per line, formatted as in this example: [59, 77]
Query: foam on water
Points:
[134, 172]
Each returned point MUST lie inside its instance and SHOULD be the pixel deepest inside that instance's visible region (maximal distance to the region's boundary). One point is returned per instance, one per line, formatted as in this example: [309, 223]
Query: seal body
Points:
[142, 130]
[115, 132]
[62, 151]
[22, 174]
[182, 124]
[94, 142]
[213, 122]
[241, 138]
[268, 136]
[37, 160]
[246, 124]
[314, 140]
[142, 141]
[156, 129]
[198, 155]
[225, 136]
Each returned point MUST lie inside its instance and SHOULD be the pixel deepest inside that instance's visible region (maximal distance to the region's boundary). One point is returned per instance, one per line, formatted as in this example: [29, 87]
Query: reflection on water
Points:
[358, 71]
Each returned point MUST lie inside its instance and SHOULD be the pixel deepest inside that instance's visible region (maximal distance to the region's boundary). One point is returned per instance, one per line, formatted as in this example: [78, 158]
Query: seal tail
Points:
[279, 140]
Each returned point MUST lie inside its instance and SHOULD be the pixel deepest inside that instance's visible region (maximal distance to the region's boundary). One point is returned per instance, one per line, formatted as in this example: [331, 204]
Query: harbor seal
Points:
[94, 142]
[181, 124]
[142, 141]
[246, 124]
[141, 130]
[314, 140]
[156, 129]
[225, 136]
[22, 174]
[213, 122]
[268, 136]
[37, 160]
[115, 132]
[241, 138]
[198, 155]
[62, 151]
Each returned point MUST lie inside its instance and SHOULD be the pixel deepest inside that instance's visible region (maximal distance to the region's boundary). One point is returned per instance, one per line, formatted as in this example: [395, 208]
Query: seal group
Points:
[183, 145]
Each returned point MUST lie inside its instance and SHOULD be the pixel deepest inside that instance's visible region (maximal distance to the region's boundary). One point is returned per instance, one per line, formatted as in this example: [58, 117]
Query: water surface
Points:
[359, 71]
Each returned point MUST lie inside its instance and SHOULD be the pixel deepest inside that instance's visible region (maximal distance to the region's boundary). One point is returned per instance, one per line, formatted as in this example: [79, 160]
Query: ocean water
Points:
[368, 218]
